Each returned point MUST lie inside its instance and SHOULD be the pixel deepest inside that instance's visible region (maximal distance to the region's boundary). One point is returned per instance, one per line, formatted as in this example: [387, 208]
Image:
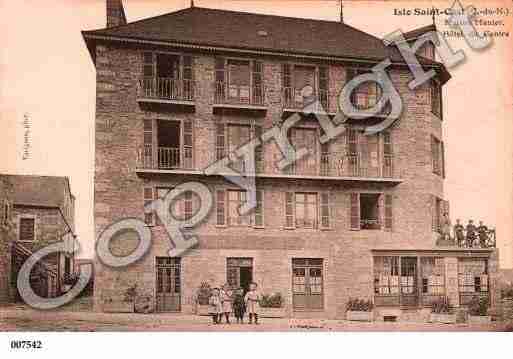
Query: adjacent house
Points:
[36, 211]
[358, 217]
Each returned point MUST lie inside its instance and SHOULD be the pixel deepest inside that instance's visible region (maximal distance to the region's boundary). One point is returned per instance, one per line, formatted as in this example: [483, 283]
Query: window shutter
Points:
[220, 69]
[288, 91]
[442, 154]
[148, 65]
[259, 210]
[325, 210]
[434, 224]
[27, 229]
[221, 207]
[259, 150]
[352, 152]
[355, 211]
[388, 212]
[323, 87]
[188, 77]
[187, 206]
[220, 141]
[289, 210]
[147, 155]
[188, 144]
[148, 196]
[257, 90]
[220, 79]
[387, 154]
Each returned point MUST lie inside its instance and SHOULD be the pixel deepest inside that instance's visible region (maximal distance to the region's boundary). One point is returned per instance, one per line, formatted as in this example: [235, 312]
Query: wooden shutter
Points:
[387, 155]
[325, 210]
[187, 206]
[148, 65]
[148, 196]
[442, 155]
[259, 210]
[323, 87]
[188, 144]
[147, 155]
[220, 79]
[188, 77]
[27, 229]
[221, 207]
[257, 90]
[288, 91]
[434, 224]
[354, 214]
[220, 141]
[352, 152]
[388, 212]
[289, 210]
[259, 155]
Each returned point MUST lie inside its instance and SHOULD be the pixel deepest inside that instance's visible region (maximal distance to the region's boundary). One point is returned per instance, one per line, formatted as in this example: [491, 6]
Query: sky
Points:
[47, 73]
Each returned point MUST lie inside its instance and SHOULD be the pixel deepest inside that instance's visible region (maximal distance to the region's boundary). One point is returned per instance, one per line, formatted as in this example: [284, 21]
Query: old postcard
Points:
[236, 166]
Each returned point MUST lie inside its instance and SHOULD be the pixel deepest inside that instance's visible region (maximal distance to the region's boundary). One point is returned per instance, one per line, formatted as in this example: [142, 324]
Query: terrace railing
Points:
[226, 93]
[297, 99]
[165, 158]
[166, 88]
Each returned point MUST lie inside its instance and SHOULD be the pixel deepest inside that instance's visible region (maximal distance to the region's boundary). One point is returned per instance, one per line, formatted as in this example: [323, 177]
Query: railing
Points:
[467, 239]
[297, 99]
[226, 93]
[364, 102]
[166, 88]
[165, 158]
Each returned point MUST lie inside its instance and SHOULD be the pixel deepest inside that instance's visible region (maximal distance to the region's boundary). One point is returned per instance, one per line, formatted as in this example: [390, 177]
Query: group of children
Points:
[225, 301]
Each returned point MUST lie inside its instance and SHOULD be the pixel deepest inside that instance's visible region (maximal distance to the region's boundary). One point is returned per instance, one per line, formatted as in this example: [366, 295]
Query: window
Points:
[175, 144]
[236, 199]
[433, 278]
[27, 229]
[238, 135]
[307, 283]
[436, 100]
[238, 81]
[167, 76]
[148, 197]
[239, 272]
[367, 94]
[183, 207]
[438, 208]
[228, 204]
[306, 210]
[230, 137]
[386, 275]
[297, 79]
[472, 278]
[437, 156]
[369, 211]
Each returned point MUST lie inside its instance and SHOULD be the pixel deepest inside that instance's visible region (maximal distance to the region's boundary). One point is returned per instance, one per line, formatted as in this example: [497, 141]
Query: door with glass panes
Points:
[168, 284]
[307, 284]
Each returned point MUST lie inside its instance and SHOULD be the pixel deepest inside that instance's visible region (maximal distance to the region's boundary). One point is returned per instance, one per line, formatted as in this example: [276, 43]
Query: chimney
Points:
[115, 13]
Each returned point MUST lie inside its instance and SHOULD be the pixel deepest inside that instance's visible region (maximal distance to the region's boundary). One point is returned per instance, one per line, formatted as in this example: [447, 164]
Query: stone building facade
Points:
[40, 211]
[359, 211]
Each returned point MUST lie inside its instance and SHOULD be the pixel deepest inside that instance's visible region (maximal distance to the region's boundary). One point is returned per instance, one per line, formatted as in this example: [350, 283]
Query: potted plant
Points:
[271, 306]
[359, 310]
[441, 312]
[478, 311]
[202, 296]
[121, 304]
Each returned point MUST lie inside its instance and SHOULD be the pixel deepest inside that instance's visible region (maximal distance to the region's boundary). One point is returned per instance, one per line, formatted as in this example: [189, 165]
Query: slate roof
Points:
[44, 191]
[413, 34]
[240, 30]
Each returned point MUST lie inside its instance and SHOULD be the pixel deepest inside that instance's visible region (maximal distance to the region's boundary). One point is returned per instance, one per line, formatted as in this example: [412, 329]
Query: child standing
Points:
[215, 306]
[239, 307]
[226, 300]
[252, 298]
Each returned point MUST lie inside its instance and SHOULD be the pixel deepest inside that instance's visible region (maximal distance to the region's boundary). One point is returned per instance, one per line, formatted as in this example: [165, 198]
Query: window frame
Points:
[34, 228]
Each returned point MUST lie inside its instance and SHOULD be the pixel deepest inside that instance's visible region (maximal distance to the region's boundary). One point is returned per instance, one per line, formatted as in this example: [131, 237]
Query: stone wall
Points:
[6, 239]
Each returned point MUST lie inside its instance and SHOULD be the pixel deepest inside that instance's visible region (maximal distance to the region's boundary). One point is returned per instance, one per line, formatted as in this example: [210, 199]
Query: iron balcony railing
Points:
[463, 238]
[165, 158]
[165, 88]
[231, 94]
[298, 99]
[341, 164]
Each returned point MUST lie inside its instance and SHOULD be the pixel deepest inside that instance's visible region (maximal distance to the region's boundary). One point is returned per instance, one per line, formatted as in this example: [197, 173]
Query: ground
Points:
[79, 317]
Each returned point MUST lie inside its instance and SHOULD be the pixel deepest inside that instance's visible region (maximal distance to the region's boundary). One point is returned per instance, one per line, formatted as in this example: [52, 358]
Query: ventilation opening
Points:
[390, 318]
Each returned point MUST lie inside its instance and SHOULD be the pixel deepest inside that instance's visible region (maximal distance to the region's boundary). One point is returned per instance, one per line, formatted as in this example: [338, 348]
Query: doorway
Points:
[239, 272]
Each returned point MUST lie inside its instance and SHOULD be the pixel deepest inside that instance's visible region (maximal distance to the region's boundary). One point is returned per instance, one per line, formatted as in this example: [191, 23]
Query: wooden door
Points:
[307, 284]
[168, 284]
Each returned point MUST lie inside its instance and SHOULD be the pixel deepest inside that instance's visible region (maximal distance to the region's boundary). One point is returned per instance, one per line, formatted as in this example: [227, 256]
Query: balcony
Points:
[296, 100]
[165, 160]
[165, 90]
[239, 96]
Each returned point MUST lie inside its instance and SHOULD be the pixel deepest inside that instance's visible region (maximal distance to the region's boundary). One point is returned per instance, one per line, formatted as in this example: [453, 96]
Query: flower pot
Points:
[118, 307]
[443, 318]
[272, 312]
[359, 316]
[479, 319]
